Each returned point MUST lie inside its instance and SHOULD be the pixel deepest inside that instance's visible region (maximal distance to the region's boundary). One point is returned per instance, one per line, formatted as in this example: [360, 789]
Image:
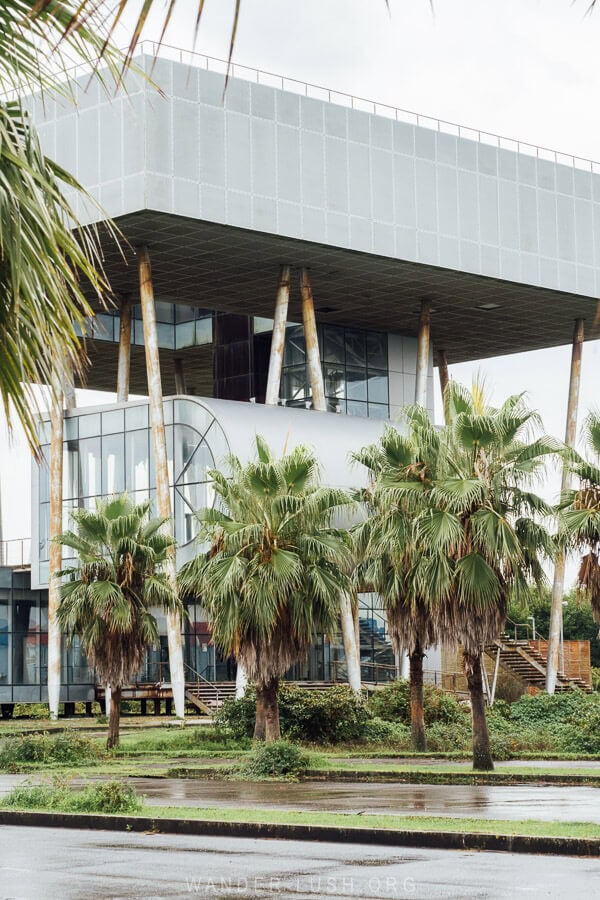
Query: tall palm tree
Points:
[389, 546]
[275, 570]
[580, 513]
[485, 529]
[107, 597]
[46, 260]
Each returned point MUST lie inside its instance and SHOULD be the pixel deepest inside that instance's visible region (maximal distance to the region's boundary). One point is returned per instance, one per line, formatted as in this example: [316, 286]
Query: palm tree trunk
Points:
[351, 647]
[114, 718]
[417, 714]
[260, 724]
[482, 757]
[272, 727]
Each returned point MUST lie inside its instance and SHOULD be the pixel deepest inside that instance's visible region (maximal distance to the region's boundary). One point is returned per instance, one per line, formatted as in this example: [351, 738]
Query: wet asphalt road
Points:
[542, 802]
[60, 864]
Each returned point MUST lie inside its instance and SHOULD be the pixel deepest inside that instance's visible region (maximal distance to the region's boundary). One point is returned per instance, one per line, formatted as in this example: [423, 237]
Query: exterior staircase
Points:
[523, 659]
[208, 696]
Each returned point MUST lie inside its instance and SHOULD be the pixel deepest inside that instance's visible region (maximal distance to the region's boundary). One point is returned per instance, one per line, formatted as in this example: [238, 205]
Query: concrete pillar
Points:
[55, 551]
[278, 339]
[351, 648]
[159, 443]
[423, 353]
[315, 372]
[443, 373]
[124, 365]
[180, 384]
[241, 682]
[558, 586]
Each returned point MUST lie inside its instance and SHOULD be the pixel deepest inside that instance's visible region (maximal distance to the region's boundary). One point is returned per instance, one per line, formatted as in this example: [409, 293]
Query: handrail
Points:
[15, 552]
[350, 101]
[201, 679]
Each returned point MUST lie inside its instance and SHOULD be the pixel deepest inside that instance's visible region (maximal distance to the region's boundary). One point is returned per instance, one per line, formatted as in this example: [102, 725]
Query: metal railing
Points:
[16, 553]
[352, 101]
[342, 98]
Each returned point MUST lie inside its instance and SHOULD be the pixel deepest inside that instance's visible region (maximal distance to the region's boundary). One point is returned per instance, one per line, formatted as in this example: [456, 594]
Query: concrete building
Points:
[377, 242]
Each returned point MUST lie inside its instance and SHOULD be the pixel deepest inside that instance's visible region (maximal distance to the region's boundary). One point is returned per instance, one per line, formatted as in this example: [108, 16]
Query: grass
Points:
[86, 800]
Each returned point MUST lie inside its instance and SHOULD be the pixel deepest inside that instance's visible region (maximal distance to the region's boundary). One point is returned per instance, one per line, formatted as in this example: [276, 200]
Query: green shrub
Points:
[324, 717]
[392, 703]
[188, 739]
[380, 731]
[443, 737]
[237, 717]
[31, 711]
[104, 797]
[67, 748]
[279, 759]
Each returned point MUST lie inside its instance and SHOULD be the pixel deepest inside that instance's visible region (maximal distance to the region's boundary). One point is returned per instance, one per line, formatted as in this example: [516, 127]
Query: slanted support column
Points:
[423, 353]
[558, 586]
[351, 647]
[443, 373]
[315, 372]
[278, 339]
[124, 366]
[180, 382]
[55, 551]
[159, 443]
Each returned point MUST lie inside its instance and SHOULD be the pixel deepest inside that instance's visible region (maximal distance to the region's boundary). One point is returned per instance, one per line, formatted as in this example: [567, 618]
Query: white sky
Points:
[525, 69]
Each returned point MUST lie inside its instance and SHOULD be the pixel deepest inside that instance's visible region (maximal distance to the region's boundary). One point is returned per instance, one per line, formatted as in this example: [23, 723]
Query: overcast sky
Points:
[526, 69]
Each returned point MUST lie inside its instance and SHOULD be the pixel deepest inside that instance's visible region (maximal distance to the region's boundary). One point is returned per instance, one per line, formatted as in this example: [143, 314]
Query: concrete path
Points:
[45, 864]
[547, 803]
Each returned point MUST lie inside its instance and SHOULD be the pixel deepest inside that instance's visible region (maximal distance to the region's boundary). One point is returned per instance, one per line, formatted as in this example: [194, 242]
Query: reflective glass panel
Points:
[185, 335]
[356, 384]
[113, 464]
[377, 357]
[335, 380]
[204, 330]
[295, 348]
[377, 387]
[137, 460]
[89, 426]
[293, 383]
[90, 465]
[136, 417]
[333, 345]
[113, 421]
[356, 348]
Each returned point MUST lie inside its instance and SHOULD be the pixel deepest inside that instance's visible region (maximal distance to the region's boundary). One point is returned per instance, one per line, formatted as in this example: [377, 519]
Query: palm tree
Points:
[48, 264]
[484, 529]
[107, 596]
[580, 514]
[274, 574]
[401, 469]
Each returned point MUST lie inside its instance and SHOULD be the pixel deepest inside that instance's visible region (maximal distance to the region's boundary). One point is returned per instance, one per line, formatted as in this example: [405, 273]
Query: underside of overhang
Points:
[235, 270]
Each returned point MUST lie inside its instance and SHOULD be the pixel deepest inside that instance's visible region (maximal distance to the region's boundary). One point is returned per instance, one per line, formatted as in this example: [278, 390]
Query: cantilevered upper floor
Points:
[384, 207]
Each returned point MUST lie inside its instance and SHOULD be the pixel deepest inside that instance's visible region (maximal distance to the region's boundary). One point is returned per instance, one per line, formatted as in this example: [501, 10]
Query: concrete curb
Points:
[424, 777]
[441, 840]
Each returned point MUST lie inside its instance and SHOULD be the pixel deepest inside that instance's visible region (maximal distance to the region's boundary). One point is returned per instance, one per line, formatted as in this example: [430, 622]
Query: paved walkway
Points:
[547, 803]
[46, 863]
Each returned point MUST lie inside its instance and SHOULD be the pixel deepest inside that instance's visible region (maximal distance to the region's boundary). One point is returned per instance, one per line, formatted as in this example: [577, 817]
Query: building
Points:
[286, 246]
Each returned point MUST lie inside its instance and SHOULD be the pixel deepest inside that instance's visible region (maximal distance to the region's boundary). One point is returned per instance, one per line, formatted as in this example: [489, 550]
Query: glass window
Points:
[184, 313]
[136, 417]
[113, 464]
[185, 335]
[89, 426]
[261, 325]
[164, 311]
[187, 412]
[186, 442]
[378, 411]
[295, 348]
[104, 326]
[377, 357]
[335, 380]
[356, 384]
[355, 408]
[137, 463]
[71, 429]
[90, 466]
[333, 344]
[198, 465]
[204, 330]
[166, 336]
[219, 447]
[4, 640]
[356, 348]
[44, 476]
[377, 386]
[113, 422]
[71, 470]
[293, 383]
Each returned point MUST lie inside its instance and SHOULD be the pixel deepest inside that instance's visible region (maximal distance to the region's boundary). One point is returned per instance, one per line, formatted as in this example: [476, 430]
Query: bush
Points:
[67, 748]
[279, 759]
[325, 717]
[392, 703]
[104, 797]
[444, 737]
[380, 731]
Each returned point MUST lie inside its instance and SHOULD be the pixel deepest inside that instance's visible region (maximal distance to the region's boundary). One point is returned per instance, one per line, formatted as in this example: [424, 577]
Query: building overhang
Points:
[235, 270]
